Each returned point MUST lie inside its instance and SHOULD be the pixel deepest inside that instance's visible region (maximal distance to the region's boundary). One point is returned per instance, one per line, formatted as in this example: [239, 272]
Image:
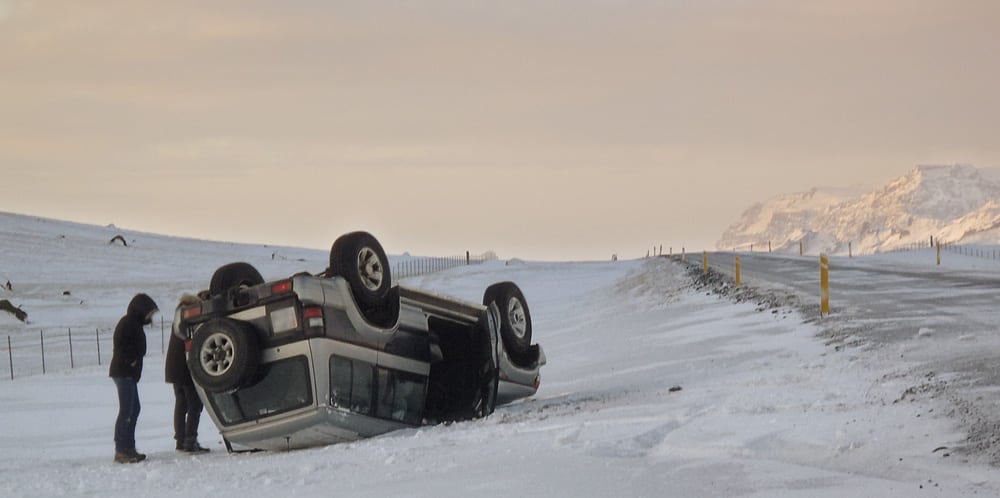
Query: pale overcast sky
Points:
[543, 129]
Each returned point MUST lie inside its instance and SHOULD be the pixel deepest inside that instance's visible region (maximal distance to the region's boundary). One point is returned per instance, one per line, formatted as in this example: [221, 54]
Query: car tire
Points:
[359, 258]
[514, 316]
[224, 355]
[233, 275]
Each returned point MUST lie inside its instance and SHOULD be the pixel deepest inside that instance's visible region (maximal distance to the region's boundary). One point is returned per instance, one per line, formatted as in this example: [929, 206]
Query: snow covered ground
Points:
[764, 408]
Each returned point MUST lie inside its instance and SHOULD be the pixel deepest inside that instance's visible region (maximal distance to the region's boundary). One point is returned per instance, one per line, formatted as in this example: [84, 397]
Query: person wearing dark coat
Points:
[187, 404]
[125, 371]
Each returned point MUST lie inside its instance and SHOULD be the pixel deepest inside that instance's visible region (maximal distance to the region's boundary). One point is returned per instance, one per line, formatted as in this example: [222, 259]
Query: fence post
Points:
[72, 364]
[97, 335]
[10, 356]
[41, 335]
[738, 271]
[824, 285]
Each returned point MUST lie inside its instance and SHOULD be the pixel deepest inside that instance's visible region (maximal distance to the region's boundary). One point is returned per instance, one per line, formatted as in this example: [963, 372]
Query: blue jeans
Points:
[128, 413]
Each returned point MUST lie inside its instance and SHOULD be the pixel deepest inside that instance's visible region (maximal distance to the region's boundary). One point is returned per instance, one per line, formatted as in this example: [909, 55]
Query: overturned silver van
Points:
[346, 354]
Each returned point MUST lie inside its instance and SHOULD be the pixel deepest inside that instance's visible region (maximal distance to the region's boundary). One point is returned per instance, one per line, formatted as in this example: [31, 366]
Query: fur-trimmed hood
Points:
[188, 300]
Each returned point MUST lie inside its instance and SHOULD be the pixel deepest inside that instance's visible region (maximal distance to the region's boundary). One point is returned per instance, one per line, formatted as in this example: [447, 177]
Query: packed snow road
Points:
[939, 325]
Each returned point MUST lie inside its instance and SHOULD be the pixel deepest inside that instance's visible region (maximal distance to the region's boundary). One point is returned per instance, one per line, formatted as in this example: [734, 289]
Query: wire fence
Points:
[796, 248]
[421, 266]
[50, 350]
[984, 251]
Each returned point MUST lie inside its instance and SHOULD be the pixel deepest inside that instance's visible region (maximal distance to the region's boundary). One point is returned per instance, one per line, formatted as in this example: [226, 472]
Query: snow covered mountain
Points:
[954, 203]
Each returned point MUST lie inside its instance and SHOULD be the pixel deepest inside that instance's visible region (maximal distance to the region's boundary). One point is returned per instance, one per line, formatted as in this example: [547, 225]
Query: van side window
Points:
[341, 381]
[401, 395]
[351, 384]
[381, 392]
[361, 390]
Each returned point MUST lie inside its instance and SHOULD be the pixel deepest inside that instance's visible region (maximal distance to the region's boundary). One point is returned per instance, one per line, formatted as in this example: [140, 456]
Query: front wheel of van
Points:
[514, 317]
[234, 275]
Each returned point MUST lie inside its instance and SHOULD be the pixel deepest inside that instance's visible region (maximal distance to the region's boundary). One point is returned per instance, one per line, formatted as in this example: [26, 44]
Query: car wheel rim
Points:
[370, 269]
[517, 319]
[217, 354]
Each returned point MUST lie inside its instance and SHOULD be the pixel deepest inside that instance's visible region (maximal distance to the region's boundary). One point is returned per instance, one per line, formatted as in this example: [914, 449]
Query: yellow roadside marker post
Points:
[704, 260]
[824, 285]
[939, 253]
[737, 271]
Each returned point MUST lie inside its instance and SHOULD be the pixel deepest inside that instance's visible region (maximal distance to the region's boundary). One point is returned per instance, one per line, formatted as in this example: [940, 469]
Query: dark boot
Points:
[192, 446]
[129, 456]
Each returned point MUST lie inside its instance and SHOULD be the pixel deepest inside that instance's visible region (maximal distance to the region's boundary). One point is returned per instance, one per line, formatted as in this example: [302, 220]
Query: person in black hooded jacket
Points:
[125, 371]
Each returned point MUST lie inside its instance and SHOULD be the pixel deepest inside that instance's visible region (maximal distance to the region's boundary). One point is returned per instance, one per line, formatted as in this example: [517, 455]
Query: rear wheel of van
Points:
[224, 355]
[359, 258]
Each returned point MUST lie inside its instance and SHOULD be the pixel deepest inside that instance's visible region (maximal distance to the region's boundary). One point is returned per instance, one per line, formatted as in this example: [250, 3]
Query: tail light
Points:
[191, 312]
[314, 324]
[281, 287]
